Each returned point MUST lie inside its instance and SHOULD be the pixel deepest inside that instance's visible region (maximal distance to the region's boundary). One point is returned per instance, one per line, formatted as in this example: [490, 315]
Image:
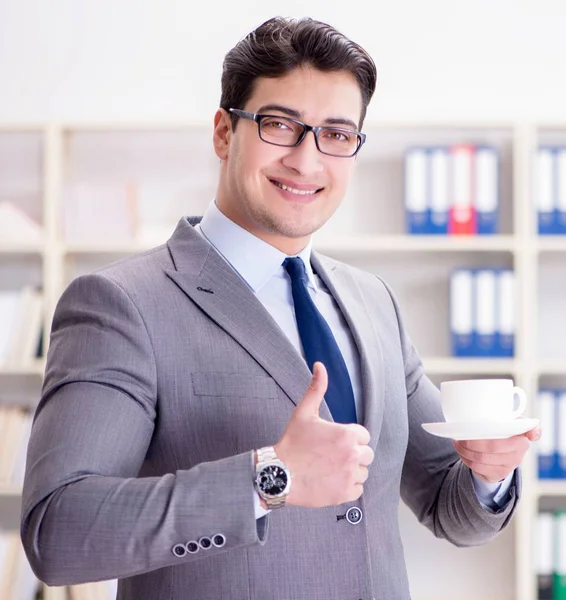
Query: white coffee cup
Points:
[472, 400]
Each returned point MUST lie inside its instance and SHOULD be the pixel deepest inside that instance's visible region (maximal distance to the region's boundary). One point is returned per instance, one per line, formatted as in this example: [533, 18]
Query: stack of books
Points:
[21, 316]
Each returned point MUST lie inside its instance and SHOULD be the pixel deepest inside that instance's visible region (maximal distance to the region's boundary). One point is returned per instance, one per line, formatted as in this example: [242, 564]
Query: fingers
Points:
[486, 458]
[362, 475]
[534, 434]
[366, 456]
[493, 460]
[517, 443]
[362, 434]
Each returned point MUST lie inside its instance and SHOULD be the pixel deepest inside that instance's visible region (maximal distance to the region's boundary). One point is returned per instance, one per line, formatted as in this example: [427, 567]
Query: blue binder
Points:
[462, 313]
[487, 196]
[546, 190]
[416, 181]
[546, 447]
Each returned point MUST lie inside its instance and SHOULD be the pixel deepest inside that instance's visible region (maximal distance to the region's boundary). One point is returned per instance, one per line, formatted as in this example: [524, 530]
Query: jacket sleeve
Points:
[436, 485]
[86, 515]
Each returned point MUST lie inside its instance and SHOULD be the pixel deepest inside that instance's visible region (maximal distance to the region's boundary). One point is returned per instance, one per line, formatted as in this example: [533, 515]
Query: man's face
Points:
[253, 171]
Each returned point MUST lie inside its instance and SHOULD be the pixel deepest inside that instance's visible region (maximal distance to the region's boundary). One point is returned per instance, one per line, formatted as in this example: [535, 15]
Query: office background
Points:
[450, 71]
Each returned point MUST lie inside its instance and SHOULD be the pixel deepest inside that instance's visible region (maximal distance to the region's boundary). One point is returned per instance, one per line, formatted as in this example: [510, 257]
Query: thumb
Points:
[311, 401]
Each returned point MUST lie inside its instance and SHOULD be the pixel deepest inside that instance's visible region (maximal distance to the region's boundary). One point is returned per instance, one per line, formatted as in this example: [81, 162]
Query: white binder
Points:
[416, 190]
[545, 192]
[546, 445]
[487, 190]
[506, 322]
[462, 312]
[485, 305]
[439, 164]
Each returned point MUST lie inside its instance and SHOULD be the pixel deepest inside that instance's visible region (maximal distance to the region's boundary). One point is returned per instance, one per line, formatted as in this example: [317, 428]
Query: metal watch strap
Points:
[267, 455]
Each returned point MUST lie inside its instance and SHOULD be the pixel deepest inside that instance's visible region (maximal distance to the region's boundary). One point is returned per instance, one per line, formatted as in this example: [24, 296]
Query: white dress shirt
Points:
[260, 265]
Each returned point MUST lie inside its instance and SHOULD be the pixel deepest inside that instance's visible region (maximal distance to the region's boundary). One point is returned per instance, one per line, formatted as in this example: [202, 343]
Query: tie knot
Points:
[296, 268]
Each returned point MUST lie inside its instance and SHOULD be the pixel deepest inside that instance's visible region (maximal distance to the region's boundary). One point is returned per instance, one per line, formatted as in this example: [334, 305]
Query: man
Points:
[177, 378]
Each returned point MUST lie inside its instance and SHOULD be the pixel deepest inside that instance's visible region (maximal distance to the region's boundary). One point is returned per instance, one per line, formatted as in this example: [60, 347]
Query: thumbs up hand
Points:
[328, 461]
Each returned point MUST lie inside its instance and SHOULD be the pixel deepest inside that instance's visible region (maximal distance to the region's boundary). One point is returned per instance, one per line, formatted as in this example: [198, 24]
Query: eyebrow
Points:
[291, 112]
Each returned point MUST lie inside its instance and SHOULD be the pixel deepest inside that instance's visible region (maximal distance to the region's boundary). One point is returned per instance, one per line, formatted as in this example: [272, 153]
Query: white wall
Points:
[160, 59]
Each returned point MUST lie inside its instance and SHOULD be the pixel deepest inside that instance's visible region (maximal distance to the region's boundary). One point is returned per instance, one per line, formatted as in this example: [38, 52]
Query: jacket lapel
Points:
[211, 283]
[349, 297]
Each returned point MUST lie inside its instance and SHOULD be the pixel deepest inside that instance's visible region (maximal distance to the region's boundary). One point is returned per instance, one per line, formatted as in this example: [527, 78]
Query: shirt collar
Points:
[255, 260]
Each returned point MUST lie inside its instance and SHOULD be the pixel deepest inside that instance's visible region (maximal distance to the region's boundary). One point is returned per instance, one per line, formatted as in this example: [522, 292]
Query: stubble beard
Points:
[284, 227]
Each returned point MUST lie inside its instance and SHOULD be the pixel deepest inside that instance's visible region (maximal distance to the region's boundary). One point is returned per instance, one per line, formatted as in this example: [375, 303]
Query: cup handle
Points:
[520, 392]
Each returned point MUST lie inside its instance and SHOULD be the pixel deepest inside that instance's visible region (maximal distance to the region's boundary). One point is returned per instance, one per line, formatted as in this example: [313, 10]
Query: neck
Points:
[287, 245]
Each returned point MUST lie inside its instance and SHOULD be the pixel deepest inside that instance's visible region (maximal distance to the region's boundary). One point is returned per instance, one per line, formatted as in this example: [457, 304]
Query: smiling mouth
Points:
[295, 191]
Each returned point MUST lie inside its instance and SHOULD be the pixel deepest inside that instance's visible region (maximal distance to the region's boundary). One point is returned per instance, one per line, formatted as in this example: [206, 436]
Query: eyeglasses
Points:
[284, 131]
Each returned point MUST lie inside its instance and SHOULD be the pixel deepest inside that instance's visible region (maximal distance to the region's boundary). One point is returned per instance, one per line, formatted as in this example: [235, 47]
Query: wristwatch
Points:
[272, 478]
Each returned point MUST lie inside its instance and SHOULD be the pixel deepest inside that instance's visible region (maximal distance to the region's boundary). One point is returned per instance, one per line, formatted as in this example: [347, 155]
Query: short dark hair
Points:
[280, 45]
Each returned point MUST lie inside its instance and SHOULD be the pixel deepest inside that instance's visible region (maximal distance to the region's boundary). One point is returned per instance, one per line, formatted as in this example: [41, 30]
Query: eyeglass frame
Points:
[258, 117]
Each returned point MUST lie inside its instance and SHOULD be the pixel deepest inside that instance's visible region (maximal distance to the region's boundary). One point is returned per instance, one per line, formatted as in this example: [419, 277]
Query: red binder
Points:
[462, 217]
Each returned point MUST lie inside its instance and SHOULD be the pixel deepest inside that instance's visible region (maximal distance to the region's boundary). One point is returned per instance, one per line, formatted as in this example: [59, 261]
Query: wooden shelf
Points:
[10, 490]
[128, 247]
[34, 369]
[347, 244]
[55, 593]
[551, 487]
[18, 249]
[523, 248]
[469, 366]
[416, 243]
[551, 243]
[552, 366]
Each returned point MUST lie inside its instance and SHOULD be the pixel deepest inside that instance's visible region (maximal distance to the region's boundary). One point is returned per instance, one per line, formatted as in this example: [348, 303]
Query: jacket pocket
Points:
[233, 385]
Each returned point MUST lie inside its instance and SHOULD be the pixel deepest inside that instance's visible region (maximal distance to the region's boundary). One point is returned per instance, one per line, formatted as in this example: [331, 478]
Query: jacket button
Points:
[192, 547]
[219, 540]
[354, 515]
[179, 550]
[205, 543]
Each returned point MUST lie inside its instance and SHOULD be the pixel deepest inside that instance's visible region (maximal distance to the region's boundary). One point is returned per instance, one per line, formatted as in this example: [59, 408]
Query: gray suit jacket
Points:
[164, 372]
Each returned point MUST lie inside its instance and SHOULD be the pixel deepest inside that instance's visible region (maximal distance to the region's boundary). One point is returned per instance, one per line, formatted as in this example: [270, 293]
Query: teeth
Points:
[294, 191]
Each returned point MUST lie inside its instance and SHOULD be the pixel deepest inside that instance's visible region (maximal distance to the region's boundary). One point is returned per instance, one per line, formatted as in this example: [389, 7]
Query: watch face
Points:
[272, 480]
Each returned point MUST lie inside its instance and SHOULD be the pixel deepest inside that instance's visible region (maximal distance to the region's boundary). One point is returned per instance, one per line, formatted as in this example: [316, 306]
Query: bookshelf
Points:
[367, 231]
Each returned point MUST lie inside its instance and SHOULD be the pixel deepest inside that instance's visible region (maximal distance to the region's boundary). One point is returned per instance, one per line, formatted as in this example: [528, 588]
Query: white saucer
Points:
[481, 430]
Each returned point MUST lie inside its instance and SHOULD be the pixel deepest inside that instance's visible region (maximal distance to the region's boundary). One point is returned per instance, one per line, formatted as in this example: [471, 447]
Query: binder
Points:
[461, 312]
[462, 215]
[561, 433]
[546, 446]
[416, 191]
[559, 585]
[484, 314]
[545, 196]
[544, 554]
[487, 190]
[560, 208]
[505, 314]
[439, 194]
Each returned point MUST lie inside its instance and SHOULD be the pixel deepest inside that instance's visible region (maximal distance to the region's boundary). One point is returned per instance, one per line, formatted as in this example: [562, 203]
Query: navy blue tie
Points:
[319, 345]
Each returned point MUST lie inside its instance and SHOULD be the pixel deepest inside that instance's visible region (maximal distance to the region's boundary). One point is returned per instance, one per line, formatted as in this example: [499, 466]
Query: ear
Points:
[222, 133]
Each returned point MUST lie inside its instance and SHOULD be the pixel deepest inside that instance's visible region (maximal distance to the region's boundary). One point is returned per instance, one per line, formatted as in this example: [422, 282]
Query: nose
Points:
[304, 159]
